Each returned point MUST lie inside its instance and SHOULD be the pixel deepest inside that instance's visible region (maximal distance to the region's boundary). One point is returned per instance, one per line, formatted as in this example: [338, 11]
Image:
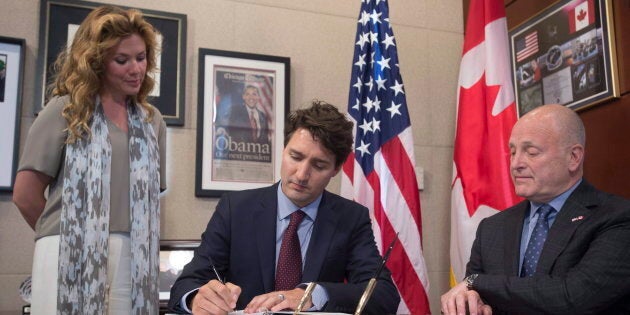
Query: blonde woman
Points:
[99, 147]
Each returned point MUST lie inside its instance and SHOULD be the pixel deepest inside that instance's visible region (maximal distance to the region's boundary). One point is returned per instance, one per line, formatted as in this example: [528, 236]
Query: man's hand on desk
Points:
[215, 298]
[277, 301]
[460, 300]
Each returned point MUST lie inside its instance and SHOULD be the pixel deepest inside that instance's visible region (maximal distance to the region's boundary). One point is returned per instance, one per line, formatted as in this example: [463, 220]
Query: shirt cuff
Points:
[183, 303]
[319, 298]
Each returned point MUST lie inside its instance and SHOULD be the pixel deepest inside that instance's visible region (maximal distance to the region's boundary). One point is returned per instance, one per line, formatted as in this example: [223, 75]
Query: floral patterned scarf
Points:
[84, 234]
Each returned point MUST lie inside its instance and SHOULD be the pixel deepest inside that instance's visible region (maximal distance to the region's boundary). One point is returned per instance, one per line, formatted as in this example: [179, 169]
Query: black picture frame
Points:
[565, 54]
[57, 15]
[12, 54]
[174, 255]
[227, 159]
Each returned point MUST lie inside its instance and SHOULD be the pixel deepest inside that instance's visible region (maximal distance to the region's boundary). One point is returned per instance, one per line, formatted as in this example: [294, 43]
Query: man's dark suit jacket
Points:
[241, 239]
[584, 267]
[240, 129]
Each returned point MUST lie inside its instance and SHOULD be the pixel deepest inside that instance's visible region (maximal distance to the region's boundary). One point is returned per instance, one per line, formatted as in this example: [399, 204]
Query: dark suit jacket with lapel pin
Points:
[241, 239]
[584, 267]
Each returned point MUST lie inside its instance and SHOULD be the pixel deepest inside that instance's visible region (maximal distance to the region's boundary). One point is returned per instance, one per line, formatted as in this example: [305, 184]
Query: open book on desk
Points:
[285, 312]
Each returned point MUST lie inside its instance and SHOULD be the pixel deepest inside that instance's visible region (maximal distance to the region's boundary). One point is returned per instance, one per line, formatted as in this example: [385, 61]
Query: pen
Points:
[369, 288]
[386, 257]
[216, 273]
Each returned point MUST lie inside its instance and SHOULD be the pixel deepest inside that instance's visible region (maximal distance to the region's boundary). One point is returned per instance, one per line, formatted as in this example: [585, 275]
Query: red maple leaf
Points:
[481, 148]
[581, 15]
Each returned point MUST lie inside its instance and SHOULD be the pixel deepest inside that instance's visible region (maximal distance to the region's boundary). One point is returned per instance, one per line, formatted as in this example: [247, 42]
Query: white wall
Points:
[318, 36]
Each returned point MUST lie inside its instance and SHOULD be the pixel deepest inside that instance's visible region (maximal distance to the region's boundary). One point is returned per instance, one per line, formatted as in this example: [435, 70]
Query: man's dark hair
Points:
[327, 125]
[250, 86]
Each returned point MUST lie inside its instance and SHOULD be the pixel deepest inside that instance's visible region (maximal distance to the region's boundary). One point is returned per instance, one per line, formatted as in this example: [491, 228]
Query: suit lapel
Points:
[512, 232]
[321, 238]
[265, 229]
[574, 211]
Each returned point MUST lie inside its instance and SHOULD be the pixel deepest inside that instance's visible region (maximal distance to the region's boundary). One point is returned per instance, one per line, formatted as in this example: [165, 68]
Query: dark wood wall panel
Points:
[518, 11]
[607, 163]
[622, 33]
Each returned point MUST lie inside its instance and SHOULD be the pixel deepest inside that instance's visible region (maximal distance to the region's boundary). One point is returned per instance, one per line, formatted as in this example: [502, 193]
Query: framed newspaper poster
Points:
[59, 22]
[565, 54]
[11, 76]
[243, 101]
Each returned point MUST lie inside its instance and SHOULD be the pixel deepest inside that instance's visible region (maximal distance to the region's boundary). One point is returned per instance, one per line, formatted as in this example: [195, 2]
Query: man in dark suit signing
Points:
[249, 237]
[564, 250]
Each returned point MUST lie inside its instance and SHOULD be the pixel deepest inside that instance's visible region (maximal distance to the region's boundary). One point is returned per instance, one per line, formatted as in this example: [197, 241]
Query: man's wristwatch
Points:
[470, 280]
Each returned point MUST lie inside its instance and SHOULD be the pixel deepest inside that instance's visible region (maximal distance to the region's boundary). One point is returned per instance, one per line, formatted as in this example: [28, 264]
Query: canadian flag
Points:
[486, 112]
[581, 16]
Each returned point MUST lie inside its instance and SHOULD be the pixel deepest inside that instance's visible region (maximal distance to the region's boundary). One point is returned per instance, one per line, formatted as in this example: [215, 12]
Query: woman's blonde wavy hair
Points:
[79, 71]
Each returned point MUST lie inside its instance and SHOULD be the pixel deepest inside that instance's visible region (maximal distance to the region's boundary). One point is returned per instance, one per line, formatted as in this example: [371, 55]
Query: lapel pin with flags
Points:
[577, 218]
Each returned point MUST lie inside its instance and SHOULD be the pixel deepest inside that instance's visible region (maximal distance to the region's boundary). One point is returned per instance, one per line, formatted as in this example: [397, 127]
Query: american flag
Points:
[265, 86]
[526, 46]
[380, 172]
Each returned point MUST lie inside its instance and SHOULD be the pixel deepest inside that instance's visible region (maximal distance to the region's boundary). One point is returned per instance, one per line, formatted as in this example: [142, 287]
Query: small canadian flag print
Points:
[581, 16]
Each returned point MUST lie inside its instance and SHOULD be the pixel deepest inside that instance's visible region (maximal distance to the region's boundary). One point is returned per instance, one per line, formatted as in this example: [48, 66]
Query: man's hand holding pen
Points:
[277, 301]
[215, 298]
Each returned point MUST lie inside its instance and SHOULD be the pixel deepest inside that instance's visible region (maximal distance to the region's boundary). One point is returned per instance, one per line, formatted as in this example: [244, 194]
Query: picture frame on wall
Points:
[174, 255]
[243, 101]
[565, 54]
[59, 20]
[11, 77]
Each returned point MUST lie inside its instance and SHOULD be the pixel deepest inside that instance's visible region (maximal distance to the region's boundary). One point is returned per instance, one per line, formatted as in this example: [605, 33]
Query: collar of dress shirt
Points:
[557, 203]
[286, 206]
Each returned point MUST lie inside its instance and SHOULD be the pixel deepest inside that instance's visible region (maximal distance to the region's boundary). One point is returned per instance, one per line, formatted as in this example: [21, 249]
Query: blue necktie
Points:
[536, 241]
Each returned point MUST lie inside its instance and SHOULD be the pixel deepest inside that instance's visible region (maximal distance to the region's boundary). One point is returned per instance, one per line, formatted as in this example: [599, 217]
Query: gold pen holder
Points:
[307, 294]
[366, 296]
